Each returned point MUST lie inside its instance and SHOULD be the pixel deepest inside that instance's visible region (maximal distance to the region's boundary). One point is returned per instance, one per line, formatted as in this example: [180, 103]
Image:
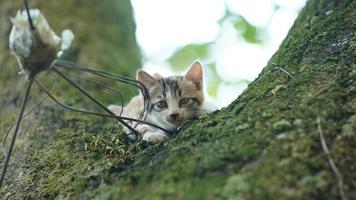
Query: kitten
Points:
[174, 100]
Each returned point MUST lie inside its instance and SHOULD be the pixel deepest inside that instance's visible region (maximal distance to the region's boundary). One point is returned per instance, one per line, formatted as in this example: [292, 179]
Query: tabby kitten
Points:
[174, 100]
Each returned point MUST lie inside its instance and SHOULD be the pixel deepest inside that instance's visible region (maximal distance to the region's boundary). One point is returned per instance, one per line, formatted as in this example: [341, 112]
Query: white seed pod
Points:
[35, 50]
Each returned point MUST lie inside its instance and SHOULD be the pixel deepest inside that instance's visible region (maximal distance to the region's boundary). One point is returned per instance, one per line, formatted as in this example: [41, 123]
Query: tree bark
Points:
[277, 140]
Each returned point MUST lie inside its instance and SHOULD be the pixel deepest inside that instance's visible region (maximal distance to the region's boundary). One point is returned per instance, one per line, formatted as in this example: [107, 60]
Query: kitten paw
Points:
[142, 128]
[132, 136]
[143, 144]
[154, 137]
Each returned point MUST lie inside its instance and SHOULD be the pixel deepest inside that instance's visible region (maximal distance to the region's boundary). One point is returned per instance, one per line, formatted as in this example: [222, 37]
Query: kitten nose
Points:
[174, 116]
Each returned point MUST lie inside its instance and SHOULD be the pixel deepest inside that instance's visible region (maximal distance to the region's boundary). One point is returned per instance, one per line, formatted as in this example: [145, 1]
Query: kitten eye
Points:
[184, 101]
[161, 104]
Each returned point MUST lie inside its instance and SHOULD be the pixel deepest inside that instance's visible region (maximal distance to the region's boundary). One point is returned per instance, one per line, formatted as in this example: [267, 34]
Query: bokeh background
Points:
[234, 39]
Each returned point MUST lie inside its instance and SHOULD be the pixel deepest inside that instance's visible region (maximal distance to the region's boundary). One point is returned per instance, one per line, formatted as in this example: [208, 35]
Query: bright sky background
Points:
[163, 26]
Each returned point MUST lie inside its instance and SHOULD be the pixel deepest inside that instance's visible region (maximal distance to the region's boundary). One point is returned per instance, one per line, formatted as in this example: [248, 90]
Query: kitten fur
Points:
[174, 100]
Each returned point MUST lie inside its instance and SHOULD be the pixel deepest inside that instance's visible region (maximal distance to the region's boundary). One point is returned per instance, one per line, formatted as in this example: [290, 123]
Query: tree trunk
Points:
[266, 145]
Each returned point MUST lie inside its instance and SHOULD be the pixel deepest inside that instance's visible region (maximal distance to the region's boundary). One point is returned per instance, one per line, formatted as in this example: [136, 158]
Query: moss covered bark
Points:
[105, 38]
[265, 145]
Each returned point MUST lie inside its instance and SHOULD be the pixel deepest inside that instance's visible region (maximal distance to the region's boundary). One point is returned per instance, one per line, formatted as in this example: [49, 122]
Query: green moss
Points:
[282, 125]
[262, 146]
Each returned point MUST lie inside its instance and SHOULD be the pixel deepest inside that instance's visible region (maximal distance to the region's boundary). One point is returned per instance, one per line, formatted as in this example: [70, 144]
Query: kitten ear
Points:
[145, 78]
[195, 74]
[157, 76]
[117, 110]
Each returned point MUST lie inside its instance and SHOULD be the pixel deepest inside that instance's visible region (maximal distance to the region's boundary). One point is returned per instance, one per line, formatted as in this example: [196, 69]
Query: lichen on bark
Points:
[265, 145]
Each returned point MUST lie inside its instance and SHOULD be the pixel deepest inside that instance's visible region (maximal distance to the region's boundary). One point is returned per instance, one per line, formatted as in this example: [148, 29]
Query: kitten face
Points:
[174, 99]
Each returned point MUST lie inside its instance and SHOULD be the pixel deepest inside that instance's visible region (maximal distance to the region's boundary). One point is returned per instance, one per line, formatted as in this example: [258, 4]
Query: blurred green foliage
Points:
[214, 79]
[185, 55]
[249, 32]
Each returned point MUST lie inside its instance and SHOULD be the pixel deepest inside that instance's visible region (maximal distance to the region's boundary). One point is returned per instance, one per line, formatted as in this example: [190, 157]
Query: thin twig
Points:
[24, 103]
[92, 98]
[100, 84]
[95, 113]
[25, 115]
[25, 2]
[331, 161]
[133, 82]
[283, 70]
[14, 123]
